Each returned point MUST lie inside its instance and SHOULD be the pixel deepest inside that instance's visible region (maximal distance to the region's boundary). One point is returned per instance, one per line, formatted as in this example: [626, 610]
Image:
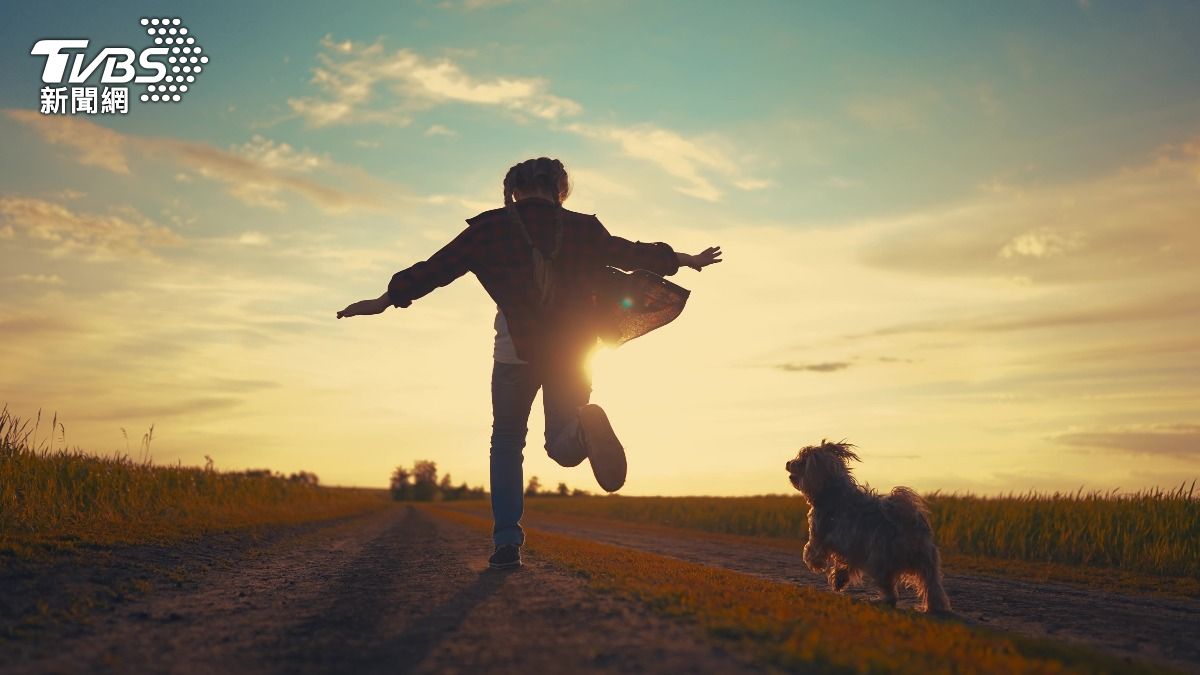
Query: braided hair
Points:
[544, 175]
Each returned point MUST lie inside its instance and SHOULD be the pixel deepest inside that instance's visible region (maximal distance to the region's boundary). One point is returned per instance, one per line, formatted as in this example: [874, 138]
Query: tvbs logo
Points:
[168, 68]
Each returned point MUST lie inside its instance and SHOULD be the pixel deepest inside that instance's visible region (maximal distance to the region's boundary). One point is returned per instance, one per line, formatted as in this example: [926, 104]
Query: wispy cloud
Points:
[252, 238]
[1175, 440]
[27, 326]
[827, 367]
[841, 183]
[279, 156]
[1042, 243]
[473, 5]
[695, 161]
[439, 130]
[259, 173]
[1134, 223]
[38, 279]
[369, 83]
[153, 412]
[92, 144]
[1165, 308]
[95, 236]
[595, 182]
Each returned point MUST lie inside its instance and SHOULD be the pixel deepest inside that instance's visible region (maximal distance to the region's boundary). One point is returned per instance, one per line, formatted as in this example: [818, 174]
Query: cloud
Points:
[13, 327]
[38, 279]
[1043, 243]
[840, 183]
[279, 156]
[368, 83]
[595, 182]
[1135, 223]
[240, 385]
[96, 236]
[259, 173]
[749, 184]
[156, 411]
[67, 194]
[692, 160]
[829, 367]
[92, 144]
[265, 176]
[1164, 308]
[473, 5]
[1173, 440]
[253, 238]
[439, 130]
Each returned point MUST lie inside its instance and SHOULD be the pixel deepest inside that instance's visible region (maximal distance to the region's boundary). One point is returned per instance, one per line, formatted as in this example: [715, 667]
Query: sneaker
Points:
[506, 557]
[605, 452]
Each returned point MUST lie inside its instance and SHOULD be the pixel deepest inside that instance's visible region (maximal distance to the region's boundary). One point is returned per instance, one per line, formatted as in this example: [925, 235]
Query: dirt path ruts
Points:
[394, 591]
[1164, 630]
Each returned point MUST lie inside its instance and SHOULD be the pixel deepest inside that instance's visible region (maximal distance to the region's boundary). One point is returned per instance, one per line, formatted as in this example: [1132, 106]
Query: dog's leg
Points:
[815, 556]
[933, 596]
[887, 589]
[839, 576]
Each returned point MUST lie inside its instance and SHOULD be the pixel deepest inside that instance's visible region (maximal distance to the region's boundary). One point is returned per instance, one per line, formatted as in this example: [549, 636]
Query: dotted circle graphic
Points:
[185, 58]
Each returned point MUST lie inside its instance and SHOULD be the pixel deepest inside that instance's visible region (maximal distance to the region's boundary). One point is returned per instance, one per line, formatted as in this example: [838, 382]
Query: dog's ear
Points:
[815, 470]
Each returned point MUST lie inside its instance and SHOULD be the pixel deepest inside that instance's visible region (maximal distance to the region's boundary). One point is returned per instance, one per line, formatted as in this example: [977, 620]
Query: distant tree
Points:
[425, 485]
[304, 478]
[580, 493]
[449, 491]
[534, 486]
[464, 491]
[468, 492]
[402, 488]
[563, 490]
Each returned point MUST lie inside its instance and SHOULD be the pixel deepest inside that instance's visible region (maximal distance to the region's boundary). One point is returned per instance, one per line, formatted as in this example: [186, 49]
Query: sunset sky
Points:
[964, 237]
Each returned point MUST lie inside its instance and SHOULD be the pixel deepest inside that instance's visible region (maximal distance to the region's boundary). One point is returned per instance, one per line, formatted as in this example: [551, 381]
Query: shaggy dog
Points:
[852, 530]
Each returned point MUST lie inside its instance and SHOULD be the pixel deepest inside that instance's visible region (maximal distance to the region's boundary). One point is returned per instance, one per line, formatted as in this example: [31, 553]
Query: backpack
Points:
[545, 274]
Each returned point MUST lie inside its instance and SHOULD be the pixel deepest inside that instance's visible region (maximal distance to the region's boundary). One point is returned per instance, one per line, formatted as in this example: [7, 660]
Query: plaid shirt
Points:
[492, 247]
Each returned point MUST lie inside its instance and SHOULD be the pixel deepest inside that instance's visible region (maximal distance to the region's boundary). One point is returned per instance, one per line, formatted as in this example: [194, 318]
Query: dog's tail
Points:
[906, 508]
[933, 595]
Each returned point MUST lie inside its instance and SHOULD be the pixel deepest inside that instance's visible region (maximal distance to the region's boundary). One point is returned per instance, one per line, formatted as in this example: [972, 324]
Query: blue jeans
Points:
[514, 386]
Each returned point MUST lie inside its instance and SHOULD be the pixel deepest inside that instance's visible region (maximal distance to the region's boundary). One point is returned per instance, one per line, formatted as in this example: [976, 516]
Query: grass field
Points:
[56, 498]
[1154, 533]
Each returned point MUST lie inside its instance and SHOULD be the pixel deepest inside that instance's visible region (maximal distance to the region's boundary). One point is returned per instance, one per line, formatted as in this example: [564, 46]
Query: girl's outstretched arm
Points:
[364, 307]
[709, 256]
[443, 267]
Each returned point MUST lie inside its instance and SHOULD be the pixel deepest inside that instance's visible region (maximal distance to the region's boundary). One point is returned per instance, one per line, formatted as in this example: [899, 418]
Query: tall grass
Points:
[54, 495]
[1153, 532]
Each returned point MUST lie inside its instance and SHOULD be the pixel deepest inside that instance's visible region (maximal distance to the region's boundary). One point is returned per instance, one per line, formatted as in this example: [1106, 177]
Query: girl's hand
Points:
[709, 256]
[366, 307]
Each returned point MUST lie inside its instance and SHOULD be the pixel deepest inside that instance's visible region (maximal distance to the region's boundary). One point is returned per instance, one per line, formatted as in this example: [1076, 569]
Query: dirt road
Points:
[402, 590]
[396, 591]
[1165, 630]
